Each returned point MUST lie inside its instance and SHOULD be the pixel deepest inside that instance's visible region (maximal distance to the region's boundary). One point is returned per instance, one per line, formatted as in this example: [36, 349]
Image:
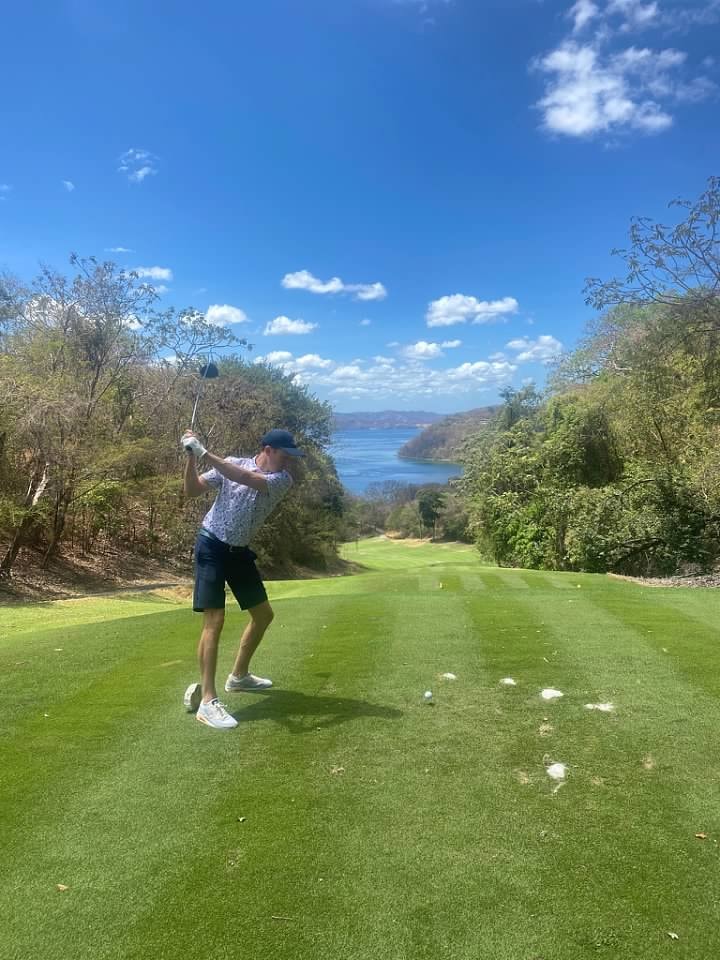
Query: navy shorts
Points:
[217, 563]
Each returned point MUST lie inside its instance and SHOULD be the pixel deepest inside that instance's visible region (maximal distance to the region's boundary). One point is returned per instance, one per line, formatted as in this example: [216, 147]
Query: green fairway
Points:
[376, 826]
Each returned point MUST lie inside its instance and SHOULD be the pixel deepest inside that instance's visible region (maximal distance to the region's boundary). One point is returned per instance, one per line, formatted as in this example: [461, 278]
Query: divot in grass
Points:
[551, 694]
[602, 707]
[508, 682]
[558, 773]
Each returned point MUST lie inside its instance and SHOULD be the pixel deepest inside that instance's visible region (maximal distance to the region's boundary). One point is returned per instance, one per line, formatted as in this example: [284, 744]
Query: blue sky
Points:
[400, 200]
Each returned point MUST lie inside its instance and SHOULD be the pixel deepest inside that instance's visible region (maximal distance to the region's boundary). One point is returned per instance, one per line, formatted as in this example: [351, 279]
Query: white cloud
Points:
[118, 250]
[154, 273]
[304, 280]
[451, 344]
[458, 308]
[222, 315]
[161, 289]
[422, 350]
[590, 93]
[594, 87]
[350, 371]
[367, 291]
[389, 377]
[365, 322]
[498, 356]
[286, 325]
[137, 164]
[313, 361]
[635, 13]
[69, 185]
[5, 188]
[482, 371]
[543, 350]
[582, 13]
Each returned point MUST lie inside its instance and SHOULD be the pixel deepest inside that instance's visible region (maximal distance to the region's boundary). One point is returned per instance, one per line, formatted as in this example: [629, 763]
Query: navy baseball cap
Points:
[282, 440]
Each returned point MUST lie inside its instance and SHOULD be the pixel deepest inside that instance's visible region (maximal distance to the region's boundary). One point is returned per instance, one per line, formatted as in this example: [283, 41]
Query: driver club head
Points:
[208, 371]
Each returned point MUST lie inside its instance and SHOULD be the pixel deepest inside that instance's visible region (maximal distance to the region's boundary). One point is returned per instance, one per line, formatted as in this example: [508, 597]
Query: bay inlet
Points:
[370, 455]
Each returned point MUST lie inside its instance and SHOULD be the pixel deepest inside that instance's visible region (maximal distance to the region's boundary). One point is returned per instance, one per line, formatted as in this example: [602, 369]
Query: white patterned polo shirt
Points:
[239, 511]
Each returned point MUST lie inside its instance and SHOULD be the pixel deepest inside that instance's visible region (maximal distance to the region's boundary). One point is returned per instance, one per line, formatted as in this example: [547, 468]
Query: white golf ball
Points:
[428, 694]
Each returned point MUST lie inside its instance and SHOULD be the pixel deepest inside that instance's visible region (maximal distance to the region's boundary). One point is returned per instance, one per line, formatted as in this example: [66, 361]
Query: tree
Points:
[85, 363]
[676, 267]
[430, 504]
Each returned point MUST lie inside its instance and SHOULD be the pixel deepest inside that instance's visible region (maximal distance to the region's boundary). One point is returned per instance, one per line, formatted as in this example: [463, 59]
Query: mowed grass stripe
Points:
[426, 841]
[160, 751]
[636, 826]
[41, 622]
[213, 864]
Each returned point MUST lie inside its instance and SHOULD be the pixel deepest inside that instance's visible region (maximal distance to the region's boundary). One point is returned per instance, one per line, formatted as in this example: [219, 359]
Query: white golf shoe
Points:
[215, 715]
[193, 697]
[248, 682]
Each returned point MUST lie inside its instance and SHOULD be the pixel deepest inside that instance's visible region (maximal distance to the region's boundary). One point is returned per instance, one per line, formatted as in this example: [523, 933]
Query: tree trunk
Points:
[58, 528]
[35, 490]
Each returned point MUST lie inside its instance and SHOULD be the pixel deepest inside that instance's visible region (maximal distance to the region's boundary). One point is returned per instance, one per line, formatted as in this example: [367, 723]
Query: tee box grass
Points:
[346, 817]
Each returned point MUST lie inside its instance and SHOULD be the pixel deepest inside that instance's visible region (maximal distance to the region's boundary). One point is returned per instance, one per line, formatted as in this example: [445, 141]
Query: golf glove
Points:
[193, 445]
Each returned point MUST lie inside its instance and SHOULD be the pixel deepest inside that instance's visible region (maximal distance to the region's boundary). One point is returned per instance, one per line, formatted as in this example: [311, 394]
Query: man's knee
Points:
[213, 621]
[263, 615]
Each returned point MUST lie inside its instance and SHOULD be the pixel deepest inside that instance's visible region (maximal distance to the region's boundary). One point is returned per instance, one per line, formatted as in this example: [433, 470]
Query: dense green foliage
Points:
[444, 440]
[618, 466]
[98, 385]
[409, 510]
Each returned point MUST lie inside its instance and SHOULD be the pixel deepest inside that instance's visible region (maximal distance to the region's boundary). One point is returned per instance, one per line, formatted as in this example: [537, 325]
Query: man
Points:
[249, 490]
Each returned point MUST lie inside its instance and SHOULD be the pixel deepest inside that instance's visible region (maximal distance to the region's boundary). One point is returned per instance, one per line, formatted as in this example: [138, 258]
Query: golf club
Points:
[208, 371]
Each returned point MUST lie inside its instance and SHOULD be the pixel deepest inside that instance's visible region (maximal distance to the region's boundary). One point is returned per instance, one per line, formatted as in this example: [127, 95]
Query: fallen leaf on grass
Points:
[701, 836]
[550, 694]
[449, 676]
[242, 819]
[673, 936]
[62, 888]
[338, 770]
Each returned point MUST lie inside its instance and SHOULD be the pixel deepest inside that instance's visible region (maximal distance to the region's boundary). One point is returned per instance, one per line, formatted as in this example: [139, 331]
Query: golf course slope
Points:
[348, 817]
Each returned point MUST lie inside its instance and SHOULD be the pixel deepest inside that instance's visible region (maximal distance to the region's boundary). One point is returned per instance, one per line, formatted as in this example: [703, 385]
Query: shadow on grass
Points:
[302, 713]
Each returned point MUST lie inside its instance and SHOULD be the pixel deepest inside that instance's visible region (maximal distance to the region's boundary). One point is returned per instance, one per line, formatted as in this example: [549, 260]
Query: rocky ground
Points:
[690, 580]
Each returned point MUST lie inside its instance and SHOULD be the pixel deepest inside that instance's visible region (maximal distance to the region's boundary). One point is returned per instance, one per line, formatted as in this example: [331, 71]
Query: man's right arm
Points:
[195, 486]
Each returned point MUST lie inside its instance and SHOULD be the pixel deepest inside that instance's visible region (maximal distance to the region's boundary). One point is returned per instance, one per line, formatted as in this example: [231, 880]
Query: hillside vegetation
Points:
[94, 403]
[445, 439]
[617, 466]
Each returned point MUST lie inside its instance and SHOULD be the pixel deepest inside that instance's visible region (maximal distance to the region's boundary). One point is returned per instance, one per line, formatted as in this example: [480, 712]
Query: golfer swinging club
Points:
[249, 490]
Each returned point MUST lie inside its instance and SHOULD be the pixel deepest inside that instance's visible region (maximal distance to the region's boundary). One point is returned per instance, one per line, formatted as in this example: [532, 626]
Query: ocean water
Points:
[365, 456]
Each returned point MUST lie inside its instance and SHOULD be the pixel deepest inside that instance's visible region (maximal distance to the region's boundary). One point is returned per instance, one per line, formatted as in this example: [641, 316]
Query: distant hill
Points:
[443, 439]
[385, 418]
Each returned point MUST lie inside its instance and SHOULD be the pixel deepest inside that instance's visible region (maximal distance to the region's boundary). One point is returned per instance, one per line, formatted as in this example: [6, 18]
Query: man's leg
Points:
[207, 651]
[261, 617]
